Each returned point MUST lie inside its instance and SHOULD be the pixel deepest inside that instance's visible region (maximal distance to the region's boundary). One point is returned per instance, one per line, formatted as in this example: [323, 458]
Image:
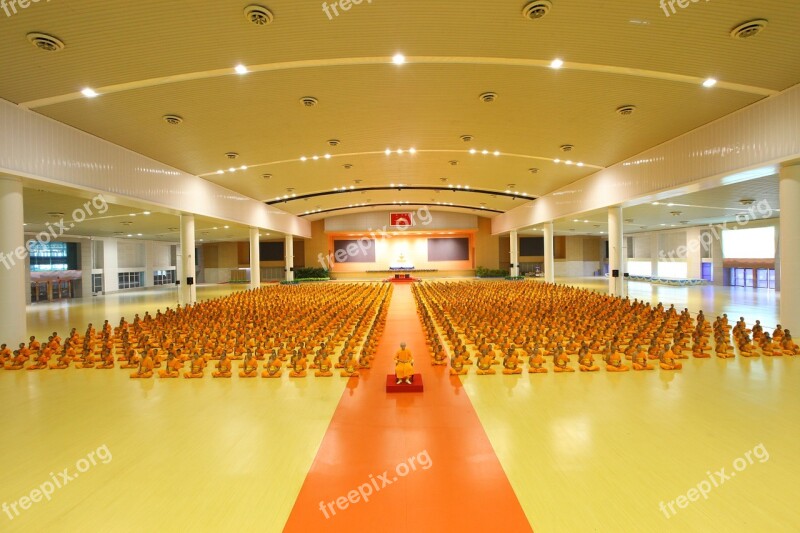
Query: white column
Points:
[615, 251]
[13, 327]
[289, 251]
[549, 261]
[694, 252]
[255, 259]
[789, 191]
[716, 256]
[654, 257]
[514, 254]
[188, 293]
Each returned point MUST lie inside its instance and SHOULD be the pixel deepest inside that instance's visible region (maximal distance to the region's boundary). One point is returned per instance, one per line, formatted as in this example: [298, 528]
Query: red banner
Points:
[402, 220]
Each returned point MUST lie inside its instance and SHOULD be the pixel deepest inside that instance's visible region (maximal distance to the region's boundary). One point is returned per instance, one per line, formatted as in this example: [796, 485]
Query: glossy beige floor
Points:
[583, 452]
[601, 452]
[186, 455]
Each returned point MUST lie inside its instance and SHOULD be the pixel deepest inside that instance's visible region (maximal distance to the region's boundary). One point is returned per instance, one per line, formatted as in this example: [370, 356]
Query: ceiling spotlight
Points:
[485, 152]
[556, 64]
[146, 212]
[496, 152]
[44, 42]
[327, 156]
[388, 152]
[258, 15]
[412, 150]
[537, 9]
[315, 158]
[89, 93]
[556, 161]
[220, 172]
[710, 82]
[243, 167]
[400, 151]
[473, 151]
[399, 59]
[304, 158]
[232, 169]
[241, 69]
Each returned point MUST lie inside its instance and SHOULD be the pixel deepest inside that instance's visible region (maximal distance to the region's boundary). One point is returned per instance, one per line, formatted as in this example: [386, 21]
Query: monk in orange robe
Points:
[485, 362]
[324, 365]
[198, 365]
[298, 365]
[249, 368]
[560, 360]
[586, 361]
[536, 361]
[272, 368]
[667, 360]
[511, 363]
[172, 368]
[614, 363]
[640, 359]
[404, 365]
[349, 370]
[223, 368]
[457, 367]
[145, 367]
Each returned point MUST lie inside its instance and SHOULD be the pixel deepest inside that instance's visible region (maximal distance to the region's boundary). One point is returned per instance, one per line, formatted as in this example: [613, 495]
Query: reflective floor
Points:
[710, 448]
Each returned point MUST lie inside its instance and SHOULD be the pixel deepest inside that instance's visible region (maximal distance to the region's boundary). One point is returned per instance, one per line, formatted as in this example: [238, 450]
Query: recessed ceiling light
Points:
[220, 172]
[556, 63]
[304, 158]
[146, 213]
[710, 82]
[232, 169]
[412, 150]
[388, 152]
[243, 167]
[556, 161]
[473, 151]
[400, 151]
[656, 203]
[580, 164]
[327, 156]
[89, 93]
[399, 59]
[226, 227]
[315, 158]
[241, 69]
[485, 152]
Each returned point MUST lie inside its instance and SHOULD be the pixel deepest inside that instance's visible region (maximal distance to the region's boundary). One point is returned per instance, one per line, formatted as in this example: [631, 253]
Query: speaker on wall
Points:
[190, 281]
[615, 273]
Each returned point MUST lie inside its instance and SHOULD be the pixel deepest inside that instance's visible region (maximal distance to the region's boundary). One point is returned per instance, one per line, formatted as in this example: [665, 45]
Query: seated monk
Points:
[249, 368]
[132, 359]
[560, 361]
[298, 366]
[723, 348]
[64, 359]
[198, 365]
[746, 347]
[667, 361]
[485, 364]
[439, 356]
[342, 359]
[223, 368]
[640, 360]
[88, 361]
[511, 363]
[364, 359]
[778, 333]
[23, 352]
[5, 354]
[788, 346]
[349, 370]
[172, 367]
[614, 363]
[16, 362]
[145, 369]
[586, 361]
[40, 363]
[404, 365]
[536, 361]
[324, 366]
[272, 368]
[772, 348]
[699, 349]
[457, 367]
[106, 360]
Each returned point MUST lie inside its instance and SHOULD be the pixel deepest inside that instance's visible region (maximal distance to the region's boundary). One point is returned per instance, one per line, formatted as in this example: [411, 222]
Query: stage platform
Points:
[392, 386]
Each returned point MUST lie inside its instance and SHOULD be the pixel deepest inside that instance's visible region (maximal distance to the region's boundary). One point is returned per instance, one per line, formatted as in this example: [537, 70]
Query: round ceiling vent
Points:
[749, 29]
[626, 110]
[347, 166]
[55, 214]
[567, 147]
[266, 176]
[172, 120]
[258, 15]
[488, 97]
[45, 42]
[334, 142]
[232, 155]
[533, 170]
[453, 163]
[309, 101]
[466, 138]
[537, 9]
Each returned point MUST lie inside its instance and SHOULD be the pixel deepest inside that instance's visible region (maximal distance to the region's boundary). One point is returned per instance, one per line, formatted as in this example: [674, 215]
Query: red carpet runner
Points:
[454, 481]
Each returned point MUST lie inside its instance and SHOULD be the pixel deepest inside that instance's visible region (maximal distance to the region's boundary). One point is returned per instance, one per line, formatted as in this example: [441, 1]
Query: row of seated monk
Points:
[580, 322]
[348, 316]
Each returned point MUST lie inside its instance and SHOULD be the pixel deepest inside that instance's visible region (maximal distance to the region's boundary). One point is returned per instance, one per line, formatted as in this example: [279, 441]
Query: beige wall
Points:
[487, 246]
[316, 245]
